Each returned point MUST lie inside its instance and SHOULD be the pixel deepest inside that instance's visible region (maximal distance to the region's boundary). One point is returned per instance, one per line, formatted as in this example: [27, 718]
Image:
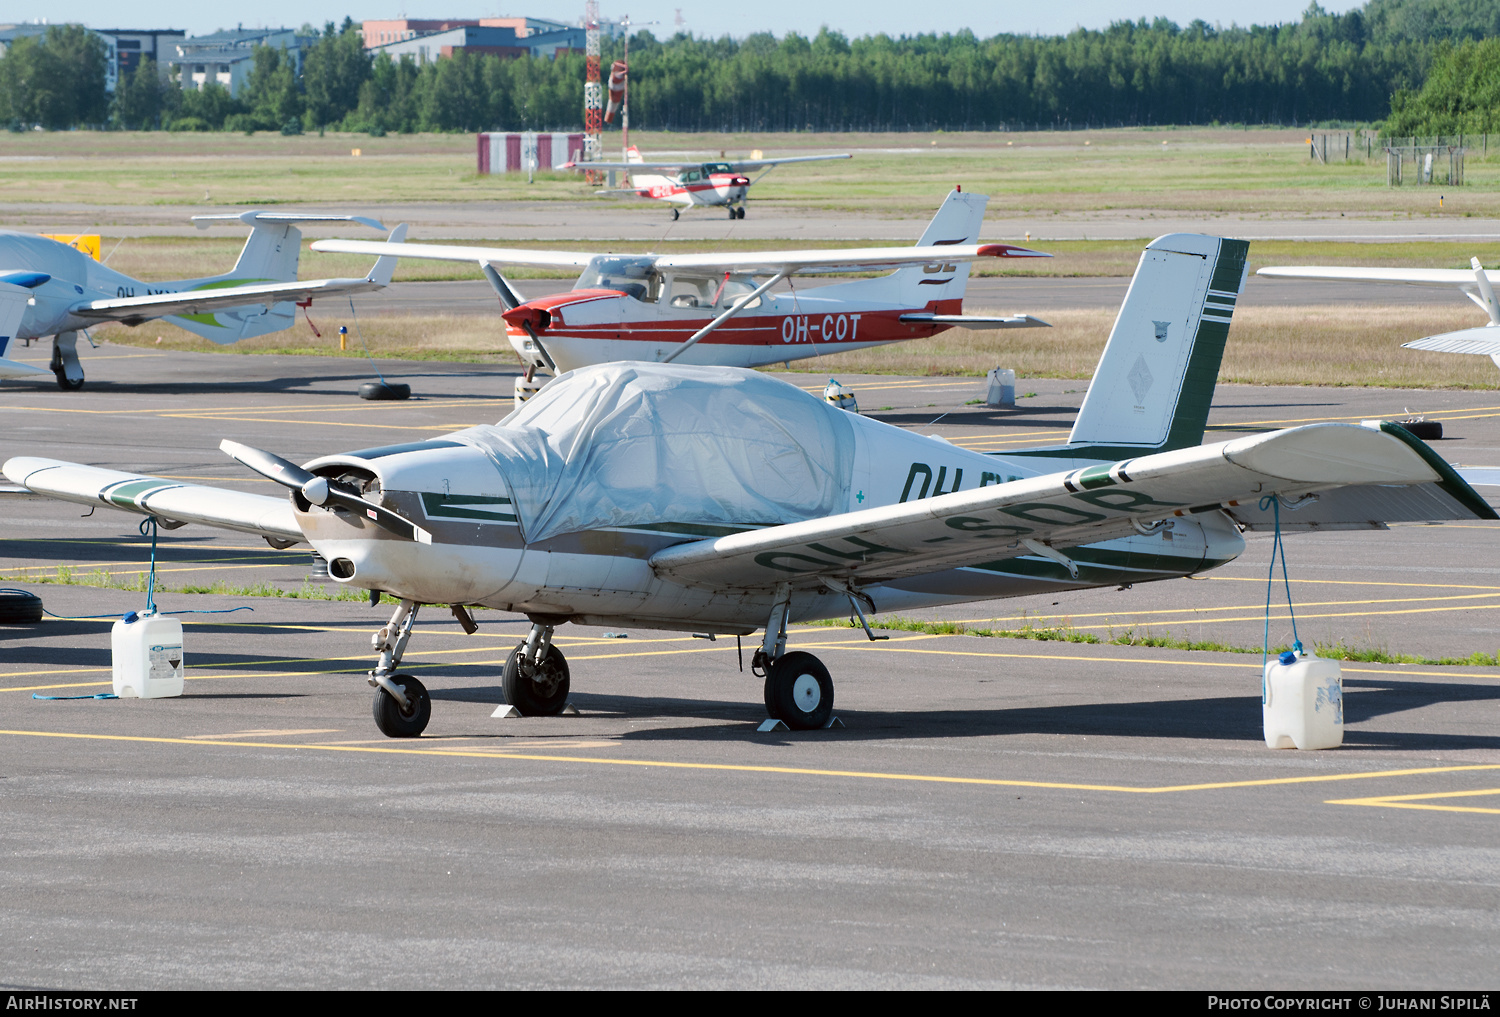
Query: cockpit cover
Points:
[629, 444]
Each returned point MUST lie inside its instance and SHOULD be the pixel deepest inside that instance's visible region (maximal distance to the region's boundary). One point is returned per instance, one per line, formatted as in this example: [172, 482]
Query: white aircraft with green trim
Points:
[1478, 284]
[48, 288]
[723, 501]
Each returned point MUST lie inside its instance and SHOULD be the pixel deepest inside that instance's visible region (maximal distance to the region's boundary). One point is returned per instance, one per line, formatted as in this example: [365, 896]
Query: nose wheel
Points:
[396, 720]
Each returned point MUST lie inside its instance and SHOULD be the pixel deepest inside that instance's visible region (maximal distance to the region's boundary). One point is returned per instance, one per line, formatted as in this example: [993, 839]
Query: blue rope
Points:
[365, 346]
[1273, 502]
[150, 583]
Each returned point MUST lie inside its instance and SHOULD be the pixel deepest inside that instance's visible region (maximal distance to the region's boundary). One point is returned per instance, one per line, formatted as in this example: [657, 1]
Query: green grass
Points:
[1131, 637]
[64, 575]
[1037, 175]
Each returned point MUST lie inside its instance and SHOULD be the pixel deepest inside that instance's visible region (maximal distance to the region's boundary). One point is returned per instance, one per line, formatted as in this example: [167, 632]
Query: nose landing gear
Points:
[402, 706]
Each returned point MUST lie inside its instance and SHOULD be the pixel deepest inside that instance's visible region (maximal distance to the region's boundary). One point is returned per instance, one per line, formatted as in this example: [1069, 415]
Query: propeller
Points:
[319, 491]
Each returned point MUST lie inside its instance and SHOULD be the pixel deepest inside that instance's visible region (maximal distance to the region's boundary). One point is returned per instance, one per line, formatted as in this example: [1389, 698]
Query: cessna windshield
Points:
[637, 277]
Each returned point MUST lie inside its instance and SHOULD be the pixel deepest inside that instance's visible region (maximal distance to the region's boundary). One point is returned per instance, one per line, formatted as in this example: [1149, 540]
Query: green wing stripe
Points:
[132, 493]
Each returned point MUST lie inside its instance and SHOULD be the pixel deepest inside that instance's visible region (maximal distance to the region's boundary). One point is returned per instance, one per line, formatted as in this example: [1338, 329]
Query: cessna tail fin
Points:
[1155, 382]
[958, 221]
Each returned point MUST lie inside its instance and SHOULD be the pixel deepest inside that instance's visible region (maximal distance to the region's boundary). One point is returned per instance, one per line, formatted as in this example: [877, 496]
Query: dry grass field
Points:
[1127, 171]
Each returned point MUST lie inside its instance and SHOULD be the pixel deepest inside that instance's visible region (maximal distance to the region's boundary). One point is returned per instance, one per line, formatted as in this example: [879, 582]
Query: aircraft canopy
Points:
[628, 444]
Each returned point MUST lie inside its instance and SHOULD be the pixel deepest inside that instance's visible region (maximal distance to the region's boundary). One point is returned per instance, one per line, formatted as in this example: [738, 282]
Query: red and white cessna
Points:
[718, 309]
[687, 184]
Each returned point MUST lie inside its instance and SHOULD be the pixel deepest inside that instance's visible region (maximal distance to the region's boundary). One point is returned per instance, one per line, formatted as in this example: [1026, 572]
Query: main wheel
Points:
[675, 214]
[536, 691]
[65, 383]
[395, 722]
[799, 691]
[739, 213]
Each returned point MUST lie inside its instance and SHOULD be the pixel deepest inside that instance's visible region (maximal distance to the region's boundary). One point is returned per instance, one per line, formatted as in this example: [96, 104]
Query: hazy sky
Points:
[852, 17]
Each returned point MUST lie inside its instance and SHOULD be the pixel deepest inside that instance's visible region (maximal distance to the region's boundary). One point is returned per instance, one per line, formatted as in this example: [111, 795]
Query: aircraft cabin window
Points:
[692, 176]
[717, 167]
[634, 276]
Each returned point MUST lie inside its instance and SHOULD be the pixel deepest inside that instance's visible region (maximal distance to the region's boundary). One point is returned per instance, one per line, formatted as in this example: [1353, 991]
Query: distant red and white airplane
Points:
[717, 309]
[723, 184]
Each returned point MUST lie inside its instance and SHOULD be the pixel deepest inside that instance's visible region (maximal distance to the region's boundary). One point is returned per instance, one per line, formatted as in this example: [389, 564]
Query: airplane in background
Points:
[718, 309]
[1477, 284]
[48, 288]
[724, 501]
[689, 184]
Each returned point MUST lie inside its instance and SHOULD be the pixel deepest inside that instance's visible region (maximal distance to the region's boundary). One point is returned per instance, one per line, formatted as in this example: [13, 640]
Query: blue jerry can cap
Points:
[1288, 657]
[130, 618]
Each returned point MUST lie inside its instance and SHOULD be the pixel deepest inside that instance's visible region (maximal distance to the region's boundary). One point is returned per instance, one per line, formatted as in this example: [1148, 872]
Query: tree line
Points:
[1324, 67]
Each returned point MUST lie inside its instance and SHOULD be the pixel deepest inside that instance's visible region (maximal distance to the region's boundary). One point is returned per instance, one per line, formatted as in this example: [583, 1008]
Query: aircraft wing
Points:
[1484, 340]
[836, 259]
[137, 309]
[170, 501]
[735, 165]
[450, 252]
[1334, 475]
[1344, 273]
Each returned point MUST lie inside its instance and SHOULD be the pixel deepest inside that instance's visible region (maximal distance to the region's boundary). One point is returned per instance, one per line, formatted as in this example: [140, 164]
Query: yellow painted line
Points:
[749, 768]
[1357, 582]
[1231, 607]
[1420, 802]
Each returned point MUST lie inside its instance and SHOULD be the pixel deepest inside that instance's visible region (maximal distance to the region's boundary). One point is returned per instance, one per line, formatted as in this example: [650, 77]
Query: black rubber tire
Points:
[802, 705]
[66, 385]
[17, 607]
[1427, 430]
[384, 390]
[733, 214]
[675, 214]
[545, 698]
[393, 723]
[740, 212]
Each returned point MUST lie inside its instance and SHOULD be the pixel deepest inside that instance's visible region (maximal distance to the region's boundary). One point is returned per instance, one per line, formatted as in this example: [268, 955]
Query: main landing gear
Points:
[799, 689]
[65, 366]
[737, 213]
[536, 680]
[675, 215]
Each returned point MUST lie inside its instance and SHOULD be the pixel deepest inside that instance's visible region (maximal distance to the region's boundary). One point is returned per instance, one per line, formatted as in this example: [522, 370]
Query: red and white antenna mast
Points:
[593, 91]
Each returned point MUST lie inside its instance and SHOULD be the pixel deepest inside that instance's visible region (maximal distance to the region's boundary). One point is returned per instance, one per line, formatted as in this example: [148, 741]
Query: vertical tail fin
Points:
[12, 308]
[958, 221]
[1155, 381]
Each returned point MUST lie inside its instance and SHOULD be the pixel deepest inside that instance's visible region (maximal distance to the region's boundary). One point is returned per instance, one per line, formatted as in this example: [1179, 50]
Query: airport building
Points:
[424, 41]
[226, 57]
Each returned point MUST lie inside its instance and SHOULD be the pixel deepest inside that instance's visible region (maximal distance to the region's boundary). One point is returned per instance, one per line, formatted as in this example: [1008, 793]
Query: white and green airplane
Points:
[48, 288]
[719, 500]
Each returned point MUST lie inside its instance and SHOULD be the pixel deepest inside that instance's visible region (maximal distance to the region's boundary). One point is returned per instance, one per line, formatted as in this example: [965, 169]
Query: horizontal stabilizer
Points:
[1086, 506]
[16, 369]
[1481, 341]
[168, 500]
[253, 218]
[975, 321]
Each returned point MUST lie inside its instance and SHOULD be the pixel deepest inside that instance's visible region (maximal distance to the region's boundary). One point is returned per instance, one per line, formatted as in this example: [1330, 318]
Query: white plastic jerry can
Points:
[1302, 702]
[841, 396]
[147, 654]
[1000, 388]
